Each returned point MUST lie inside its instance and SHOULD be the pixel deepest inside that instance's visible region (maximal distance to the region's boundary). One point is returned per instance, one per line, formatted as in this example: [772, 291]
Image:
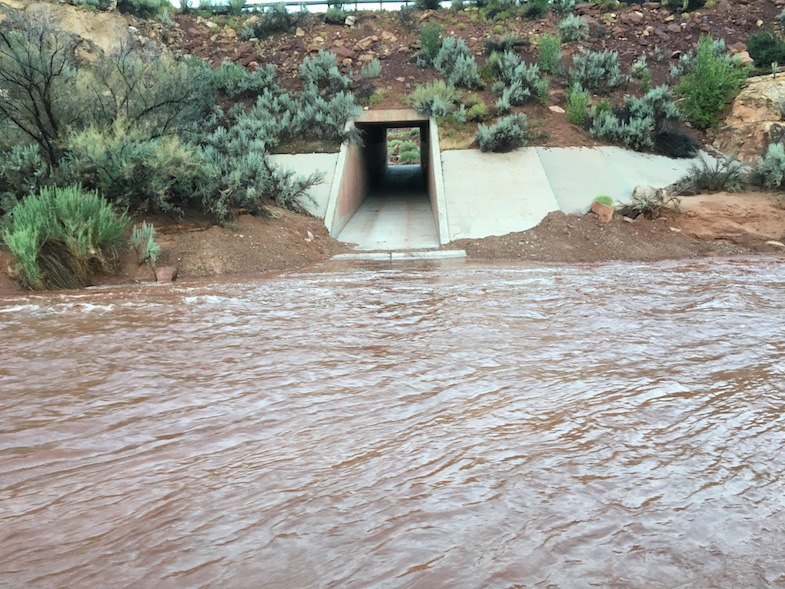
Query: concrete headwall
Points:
[305, 164]
[350, 188]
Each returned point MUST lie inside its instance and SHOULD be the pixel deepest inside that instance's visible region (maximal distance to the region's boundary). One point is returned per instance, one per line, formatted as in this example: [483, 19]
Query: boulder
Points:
[166, 274]
[604, 212]
[755, 119]
[106, 30]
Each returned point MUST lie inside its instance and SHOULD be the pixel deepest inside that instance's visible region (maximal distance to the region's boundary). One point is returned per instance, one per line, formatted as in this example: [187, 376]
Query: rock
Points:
[298, 32]
[346, 62]
[673, 28]
[230, 33]
[400, 79]
[211, 25]
[106, 30]
[350, 20]
[365, 43]
[343, 53]
[388, 36]
[632, 18]
[736, 48]
[755, 119]
[777, 244]
[166, 274]
[644, 192]
[604, 212]
[556, 109]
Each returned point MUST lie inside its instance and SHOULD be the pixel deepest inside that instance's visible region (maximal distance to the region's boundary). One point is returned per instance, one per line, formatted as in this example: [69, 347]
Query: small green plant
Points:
[711, 82]
[426, 4]
[577, 106]
[535, 9]
[143, 243]
[564, 6]
[60, 236]
[765, 48]
[504, 43]
[770, 171]
[371, 70]
[604, 199]
[335, 16]
[597, 71]
[430, 43]
[712, 175]
[436, 98]
[574, 28]
[457, 64]
[781, 20]
[410, 156]
[478, 112]
[320, 74]
[506, 134]
[549, 47]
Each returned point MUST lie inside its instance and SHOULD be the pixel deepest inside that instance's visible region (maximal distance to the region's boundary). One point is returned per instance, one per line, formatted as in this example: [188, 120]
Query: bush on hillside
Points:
[436, 98]
[506, 134]
[549, 47]
[234, 80]
[134, 172]
[457, 64]
[145, 8]
[60, 237]
[712, 81]
[712, 175]
[275, 19]
[766, 48]
[578, 103]
[505, 43]
[770, 171]
[518, 82]
[574, 28]
[143, 243]
[37, 77]
[430, 43]
[320, 74]
[597, 71]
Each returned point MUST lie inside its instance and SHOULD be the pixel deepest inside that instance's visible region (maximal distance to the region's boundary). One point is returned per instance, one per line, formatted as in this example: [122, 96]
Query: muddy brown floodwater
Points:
[434, 425]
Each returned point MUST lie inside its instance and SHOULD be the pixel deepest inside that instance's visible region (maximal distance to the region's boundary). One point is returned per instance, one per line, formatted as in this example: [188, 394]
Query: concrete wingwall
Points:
[349, 189]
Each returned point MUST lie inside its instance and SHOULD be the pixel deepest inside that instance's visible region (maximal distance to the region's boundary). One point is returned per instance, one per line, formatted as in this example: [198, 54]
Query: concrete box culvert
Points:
[361, 168]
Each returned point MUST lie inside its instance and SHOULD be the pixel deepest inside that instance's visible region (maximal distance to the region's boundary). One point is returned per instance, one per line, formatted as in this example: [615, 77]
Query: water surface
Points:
[432, 425]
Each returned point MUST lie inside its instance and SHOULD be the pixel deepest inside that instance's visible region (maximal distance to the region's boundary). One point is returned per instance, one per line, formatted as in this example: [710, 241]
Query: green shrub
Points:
[162, 95]
[372, 69]
[711, 83]
[766, 48]
[320, 74]
[161, 175]
[597, 71]
[145, 8]
[457, 64]
[770, 171]
[549, 47]
[721, 174]
[574, 28]
[426, 4]
[536, 8]
[409, 156]
[430, 43]
[60, 236]
[143, 243]
[564, 6]
[236, 6]
[518, 82]
[504, 43]
[642, 122]
[578, 106]
[436, 98]
[335, 16]
[22, 171]
[604, 199]
[274, 19]
[234, 80]
[478, 112]
[37, 80]
[781, 20]
[506, 134]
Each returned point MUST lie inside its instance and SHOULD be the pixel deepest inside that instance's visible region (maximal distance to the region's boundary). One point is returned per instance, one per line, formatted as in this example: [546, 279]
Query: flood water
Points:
[432, 425]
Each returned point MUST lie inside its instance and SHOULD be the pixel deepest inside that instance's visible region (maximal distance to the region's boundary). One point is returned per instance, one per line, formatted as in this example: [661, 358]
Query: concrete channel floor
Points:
[396, 214]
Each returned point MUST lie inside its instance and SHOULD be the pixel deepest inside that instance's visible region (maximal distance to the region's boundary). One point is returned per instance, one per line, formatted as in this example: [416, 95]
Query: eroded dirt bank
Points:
[709, 225]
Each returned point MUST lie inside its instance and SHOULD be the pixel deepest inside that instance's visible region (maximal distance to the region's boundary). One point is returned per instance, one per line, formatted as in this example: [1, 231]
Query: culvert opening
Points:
[388, 191]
